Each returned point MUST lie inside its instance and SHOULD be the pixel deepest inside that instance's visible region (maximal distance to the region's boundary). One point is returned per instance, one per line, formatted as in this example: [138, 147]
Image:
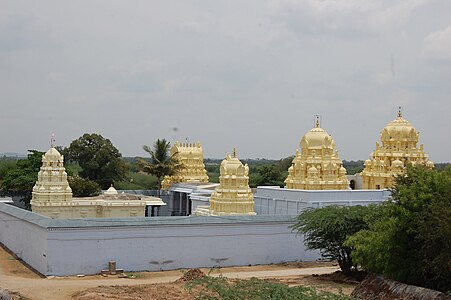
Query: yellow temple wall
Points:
[86, 209]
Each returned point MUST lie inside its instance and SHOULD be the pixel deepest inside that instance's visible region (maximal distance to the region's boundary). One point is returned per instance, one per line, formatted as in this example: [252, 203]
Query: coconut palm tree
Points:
[161, 163]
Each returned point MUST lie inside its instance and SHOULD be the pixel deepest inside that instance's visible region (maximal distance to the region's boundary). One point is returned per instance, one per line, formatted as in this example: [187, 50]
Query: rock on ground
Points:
[376, 287]
[192, 274]
[4, 295]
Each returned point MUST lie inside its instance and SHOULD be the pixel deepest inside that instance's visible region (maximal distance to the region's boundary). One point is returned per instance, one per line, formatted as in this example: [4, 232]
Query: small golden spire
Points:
[234, 151]
[317, 121]
[399, 112]
[52, 141]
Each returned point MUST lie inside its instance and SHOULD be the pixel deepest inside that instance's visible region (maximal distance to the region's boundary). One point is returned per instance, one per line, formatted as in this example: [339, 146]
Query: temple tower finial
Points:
[234, 151]
[317, 121]
[52, 140]
[399, 111]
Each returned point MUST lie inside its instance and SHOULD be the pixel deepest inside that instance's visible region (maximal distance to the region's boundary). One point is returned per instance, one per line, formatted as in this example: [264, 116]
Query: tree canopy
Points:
[161, 163]
[99, 159]
[327, 228]
[82, 187]
[412, 241]
[19, 180]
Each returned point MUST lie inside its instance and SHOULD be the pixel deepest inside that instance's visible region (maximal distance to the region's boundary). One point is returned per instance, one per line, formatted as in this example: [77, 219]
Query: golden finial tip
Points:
[399, 112]
[317, 124]
[234, 151]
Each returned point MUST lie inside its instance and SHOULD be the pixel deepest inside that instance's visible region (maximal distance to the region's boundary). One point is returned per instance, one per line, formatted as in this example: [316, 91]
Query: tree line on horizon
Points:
[93, 163]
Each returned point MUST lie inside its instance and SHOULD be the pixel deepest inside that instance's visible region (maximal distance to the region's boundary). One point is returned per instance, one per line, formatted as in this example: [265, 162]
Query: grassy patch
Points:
[255, 289]
[133, 275]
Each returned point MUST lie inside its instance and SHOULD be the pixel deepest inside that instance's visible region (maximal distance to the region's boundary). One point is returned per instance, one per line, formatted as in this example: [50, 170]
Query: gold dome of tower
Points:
[399, 147]
[318, 166]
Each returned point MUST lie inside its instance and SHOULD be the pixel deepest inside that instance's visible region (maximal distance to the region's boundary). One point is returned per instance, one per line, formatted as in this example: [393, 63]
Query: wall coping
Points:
[56, 224]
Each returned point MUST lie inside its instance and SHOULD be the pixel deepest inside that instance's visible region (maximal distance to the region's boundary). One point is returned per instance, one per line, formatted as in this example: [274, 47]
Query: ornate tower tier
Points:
[399, 148]
[233, 196]
[52, 185]
[318, 166]
[191, 157]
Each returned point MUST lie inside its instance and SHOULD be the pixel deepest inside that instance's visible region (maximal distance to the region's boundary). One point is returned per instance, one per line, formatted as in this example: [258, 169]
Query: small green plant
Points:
[133, 275]
[216, 288]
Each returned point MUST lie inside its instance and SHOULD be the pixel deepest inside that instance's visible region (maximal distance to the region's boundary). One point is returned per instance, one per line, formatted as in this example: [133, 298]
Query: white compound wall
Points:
[68, 247]
[282, 201]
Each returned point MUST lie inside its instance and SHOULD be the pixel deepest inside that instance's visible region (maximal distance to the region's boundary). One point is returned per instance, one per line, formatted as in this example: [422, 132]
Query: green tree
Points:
[268, 175]
[19, 181]
[327, 228]
[82, 187]
[99, 159]
[353, 167]
[161, 163]
[5, 166]
[412, 242]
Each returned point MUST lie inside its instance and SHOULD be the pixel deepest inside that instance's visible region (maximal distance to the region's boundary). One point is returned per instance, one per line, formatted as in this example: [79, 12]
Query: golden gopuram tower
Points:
[318, 166]
[233, 196]
[191, 157]
[399, 148]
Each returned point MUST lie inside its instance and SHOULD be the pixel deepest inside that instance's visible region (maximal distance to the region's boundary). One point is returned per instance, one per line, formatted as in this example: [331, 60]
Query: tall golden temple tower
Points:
[233, 196]
[191, 157]
[318, 166]
[399, 148]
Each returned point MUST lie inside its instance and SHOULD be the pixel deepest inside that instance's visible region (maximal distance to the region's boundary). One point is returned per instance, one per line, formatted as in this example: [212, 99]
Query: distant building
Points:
[8, 200]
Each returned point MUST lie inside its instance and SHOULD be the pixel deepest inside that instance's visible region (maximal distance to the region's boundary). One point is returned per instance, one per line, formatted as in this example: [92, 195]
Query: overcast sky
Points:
[250, 74]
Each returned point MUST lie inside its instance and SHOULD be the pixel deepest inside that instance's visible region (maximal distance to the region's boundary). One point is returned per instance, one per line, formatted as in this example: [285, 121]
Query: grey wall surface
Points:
[85, 246]
[20, 234]
[281, 201]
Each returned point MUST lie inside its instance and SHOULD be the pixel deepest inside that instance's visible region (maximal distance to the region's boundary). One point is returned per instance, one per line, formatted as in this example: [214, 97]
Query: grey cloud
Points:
[346, 19]
[438, 45]
[248, 74]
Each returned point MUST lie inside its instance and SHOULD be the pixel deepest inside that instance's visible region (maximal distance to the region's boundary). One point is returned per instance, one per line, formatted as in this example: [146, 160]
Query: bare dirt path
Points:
[14, 276]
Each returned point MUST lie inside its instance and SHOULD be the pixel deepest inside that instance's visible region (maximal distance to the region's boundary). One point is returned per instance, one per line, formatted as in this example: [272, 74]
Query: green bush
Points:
[327, 228]
[411, 243]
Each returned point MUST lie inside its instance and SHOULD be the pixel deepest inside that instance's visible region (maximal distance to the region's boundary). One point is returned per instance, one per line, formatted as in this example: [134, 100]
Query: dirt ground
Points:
[26, 284]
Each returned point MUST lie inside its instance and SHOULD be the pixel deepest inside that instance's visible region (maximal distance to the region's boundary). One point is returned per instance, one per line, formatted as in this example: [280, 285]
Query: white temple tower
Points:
[52, 185]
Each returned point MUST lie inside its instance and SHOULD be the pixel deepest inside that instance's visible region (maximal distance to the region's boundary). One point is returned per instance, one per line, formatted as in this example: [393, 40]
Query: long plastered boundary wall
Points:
[85, 246]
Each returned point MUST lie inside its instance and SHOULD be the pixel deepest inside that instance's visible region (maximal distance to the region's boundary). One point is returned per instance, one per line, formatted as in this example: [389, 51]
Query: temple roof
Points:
[317, 138]
[111, 191]
[52, 155]
[231, 165]
[399, 125]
